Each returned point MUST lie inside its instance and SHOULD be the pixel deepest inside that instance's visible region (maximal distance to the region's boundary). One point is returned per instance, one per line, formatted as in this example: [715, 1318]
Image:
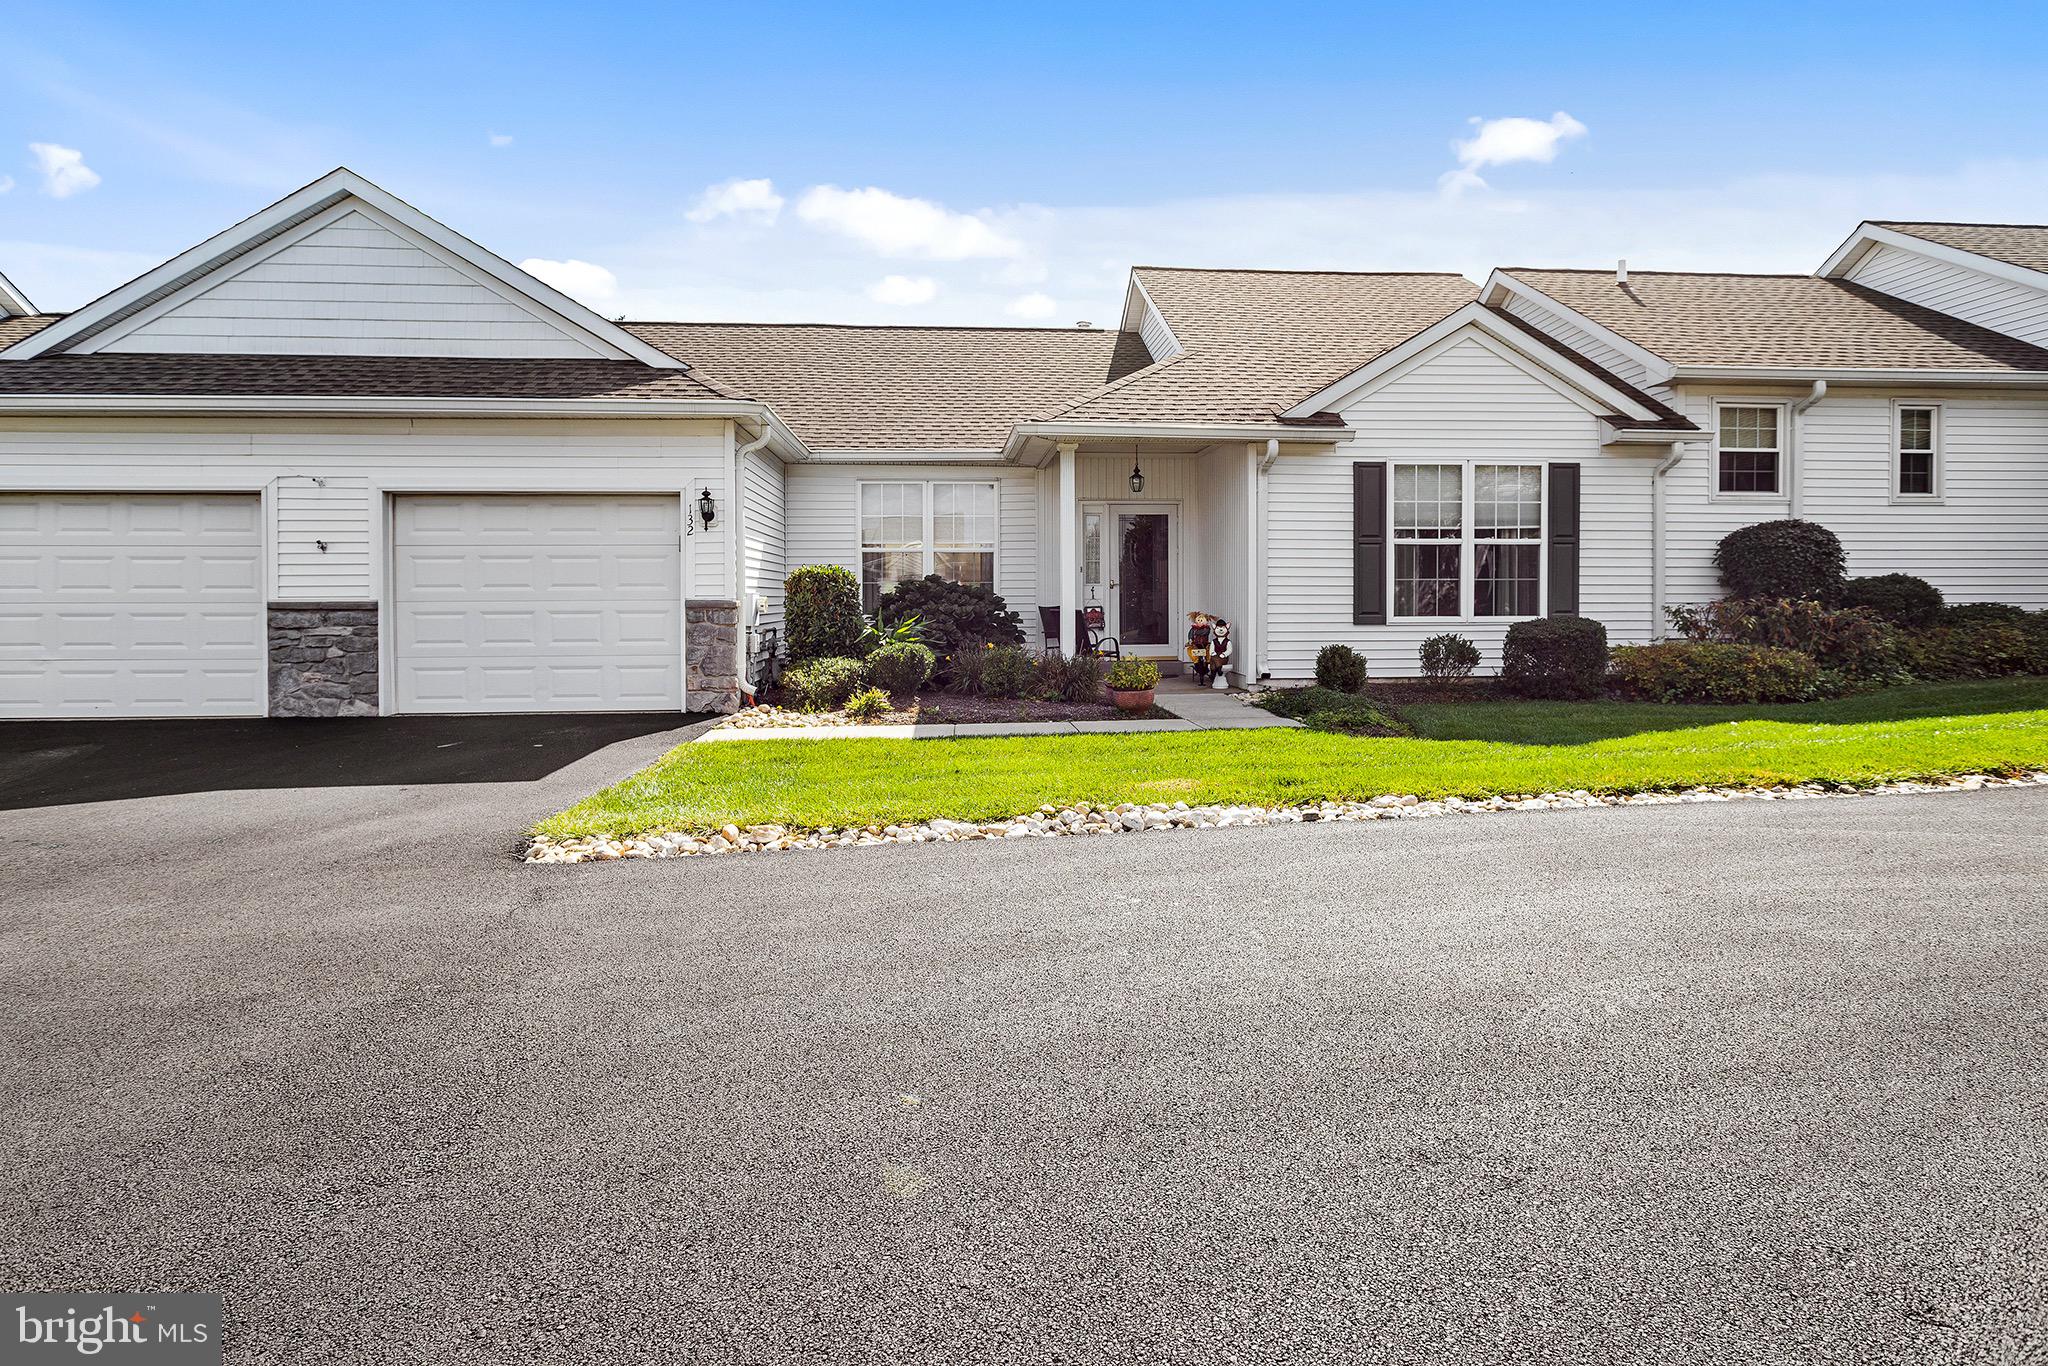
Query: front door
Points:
[1130, 561]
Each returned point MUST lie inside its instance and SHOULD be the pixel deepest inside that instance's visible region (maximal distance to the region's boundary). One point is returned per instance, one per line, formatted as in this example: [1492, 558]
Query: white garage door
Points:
[516, 603]
[131, 605]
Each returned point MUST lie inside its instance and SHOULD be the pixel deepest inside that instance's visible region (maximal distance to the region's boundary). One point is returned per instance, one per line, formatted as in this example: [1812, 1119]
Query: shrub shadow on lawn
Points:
[1578, 723]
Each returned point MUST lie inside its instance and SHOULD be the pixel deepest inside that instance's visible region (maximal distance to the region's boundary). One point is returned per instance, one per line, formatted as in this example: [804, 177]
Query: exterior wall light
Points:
[707, 508]
[1137, 476]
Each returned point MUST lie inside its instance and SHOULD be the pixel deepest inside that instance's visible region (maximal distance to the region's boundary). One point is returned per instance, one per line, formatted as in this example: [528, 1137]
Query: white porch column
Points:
[1070, 543]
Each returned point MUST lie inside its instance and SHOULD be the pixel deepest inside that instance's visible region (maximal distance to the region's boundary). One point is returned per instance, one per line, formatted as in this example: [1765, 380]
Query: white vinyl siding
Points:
[2005, 306]
[822, 507]
[1985, 539]
[1463, 404]
[766, 566]
[328, 477]
[1159, 340]
[348, 283]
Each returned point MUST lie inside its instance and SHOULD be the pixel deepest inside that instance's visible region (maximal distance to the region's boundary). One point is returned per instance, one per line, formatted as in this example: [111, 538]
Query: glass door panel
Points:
[1143, 592]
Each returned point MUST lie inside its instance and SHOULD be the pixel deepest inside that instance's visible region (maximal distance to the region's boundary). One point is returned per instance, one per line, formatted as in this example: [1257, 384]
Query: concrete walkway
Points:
[1193, 708]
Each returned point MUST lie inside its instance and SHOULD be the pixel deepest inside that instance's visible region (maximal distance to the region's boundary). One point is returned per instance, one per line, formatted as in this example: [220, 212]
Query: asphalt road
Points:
[1751, 1083]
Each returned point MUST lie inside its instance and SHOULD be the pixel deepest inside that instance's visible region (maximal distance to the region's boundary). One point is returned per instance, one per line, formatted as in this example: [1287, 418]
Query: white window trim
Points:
[1468, 543]
[1780, 494]
[1936, 498]
[928, 549]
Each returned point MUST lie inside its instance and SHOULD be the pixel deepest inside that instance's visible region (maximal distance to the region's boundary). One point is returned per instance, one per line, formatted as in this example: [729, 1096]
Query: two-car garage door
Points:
[509, 603]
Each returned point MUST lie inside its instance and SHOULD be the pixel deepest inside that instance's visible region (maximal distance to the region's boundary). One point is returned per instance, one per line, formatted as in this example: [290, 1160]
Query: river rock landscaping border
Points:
[1128, 818]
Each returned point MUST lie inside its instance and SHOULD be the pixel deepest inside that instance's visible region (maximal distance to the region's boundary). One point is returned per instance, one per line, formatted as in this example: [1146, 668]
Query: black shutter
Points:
[1564, 540]
[1369, 543]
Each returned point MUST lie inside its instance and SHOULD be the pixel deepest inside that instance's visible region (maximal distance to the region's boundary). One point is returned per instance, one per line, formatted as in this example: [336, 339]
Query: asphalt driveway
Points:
[1758, 1083]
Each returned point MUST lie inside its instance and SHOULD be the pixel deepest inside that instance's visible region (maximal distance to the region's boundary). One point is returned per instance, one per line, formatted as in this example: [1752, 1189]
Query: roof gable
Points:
[340, 268]
[14, 303]
[2016, 251]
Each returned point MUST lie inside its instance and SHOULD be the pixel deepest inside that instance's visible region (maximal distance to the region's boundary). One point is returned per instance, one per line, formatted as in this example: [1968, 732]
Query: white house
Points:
[341, 460]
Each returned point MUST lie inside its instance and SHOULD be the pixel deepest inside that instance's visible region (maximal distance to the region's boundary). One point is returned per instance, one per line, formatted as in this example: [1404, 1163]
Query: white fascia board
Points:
[906, 457]
[302, 204]
[1870, 235]
[1024, 433]
[1806, 374]
[13, 303]
[1501, 283]
[342, 405]
[1611, 435]
[1477, 317]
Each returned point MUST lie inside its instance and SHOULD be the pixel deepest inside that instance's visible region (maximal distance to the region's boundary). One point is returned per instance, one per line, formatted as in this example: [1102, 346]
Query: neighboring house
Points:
[340, 460]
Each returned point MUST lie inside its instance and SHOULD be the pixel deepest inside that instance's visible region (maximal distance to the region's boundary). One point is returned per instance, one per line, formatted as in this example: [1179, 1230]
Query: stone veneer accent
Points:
[711, 655]
[323, 659]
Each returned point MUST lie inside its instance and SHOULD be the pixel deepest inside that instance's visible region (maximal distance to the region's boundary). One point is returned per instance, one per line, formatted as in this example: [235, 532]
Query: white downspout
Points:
[738, 527]
[1796, 455]
[1657, 538]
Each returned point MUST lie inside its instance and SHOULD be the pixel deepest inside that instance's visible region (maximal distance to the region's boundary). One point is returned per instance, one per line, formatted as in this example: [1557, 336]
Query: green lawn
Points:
[1906, 733]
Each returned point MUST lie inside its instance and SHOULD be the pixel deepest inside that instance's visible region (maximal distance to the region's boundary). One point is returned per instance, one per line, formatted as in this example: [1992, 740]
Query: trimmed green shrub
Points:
[1714, 671]
[1448, 656]
[1133, 675]
[952, 617]
[1970, 613]
[1322, 708]
[1788, 558]
[867, 703]
[821, 613]
[1071, 678]
[824, 684]
[1007, 671]
[902, 668]
[1978, 648]
[1854, 642]
[1340, 669]
[1555, 657]
[1900, 599]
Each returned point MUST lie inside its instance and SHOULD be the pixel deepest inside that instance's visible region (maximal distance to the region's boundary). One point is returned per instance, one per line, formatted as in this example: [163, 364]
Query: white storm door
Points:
[132, 605]
[515, 602]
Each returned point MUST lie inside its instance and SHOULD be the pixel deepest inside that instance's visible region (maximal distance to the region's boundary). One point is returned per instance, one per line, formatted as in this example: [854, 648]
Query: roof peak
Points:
[1948, 223]
[1633, 272]
[1258, 270]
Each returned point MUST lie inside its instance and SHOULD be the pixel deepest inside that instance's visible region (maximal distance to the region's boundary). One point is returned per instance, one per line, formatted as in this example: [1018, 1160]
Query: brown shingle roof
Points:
[1258, 342]
[1794, 321]
[900, 388]
[1666, 419]
[13, 330]
[2017, 244]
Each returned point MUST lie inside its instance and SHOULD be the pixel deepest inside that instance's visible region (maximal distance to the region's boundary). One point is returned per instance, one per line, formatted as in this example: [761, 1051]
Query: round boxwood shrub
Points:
[824, 684]
[1900, 599]
[952, 617]
[1788, 558]
[1448, 656]
[1562, 657]
[1714, 671]
[902, 668]
[1340, 668]
[821, 613]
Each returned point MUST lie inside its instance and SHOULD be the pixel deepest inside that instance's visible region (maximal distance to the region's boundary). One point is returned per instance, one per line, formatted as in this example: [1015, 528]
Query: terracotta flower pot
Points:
[1134, 700]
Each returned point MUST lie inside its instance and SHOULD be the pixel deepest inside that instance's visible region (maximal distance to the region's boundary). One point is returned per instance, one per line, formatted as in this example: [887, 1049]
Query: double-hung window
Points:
[1749, 453]
[911, 529]
[1467, 540]
[1915, 465]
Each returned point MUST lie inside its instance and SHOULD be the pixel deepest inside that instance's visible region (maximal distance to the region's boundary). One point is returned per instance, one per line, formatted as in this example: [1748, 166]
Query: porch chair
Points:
[1087, 639]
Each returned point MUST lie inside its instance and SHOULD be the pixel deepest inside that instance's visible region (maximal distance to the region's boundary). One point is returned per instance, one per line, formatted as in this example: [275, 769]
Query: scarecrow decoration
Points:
[1219, 652]
[1208, 648]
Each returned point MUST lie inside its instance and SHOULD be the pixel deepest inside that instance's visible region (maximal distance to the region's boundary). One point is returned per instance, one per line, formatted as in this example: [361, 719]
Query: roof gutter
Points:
[1024, 433]
[1657, 538]
[1796, 447]
[736, 499]
[1805, 374]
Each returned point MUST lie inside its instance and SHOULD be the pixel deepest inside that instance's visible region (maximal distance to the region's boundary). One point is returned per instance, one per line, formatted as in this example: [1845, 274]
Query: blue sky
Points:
[964, 163]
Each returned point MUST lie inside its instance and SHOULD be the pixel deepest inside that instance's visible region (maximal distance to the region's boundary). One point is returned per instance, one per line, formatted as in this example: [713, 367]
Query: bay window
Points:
[909, 529]
[1467, 540]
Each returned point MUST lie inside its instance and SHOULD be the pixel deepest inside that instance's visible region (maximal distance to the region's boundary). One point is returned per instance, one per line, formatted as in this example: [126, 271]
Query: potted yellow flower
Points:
[1131, 682]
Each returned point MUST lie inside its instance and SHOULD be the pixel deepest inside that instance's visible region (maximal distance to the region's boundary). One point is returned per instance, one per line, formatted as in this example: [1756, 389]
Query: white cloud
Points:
[579, 280]
[63, 170]
[903, 290]
[753, 200]
[1032, 305]
[501, 139]
[893, 225]
[1502, 142]
[6, 183]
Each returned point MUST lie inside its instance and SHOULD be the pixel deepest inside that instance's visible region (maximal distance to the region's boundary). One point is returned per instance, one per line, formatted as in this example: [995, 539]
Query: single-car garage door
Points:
[131, 605]
[522, 603]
